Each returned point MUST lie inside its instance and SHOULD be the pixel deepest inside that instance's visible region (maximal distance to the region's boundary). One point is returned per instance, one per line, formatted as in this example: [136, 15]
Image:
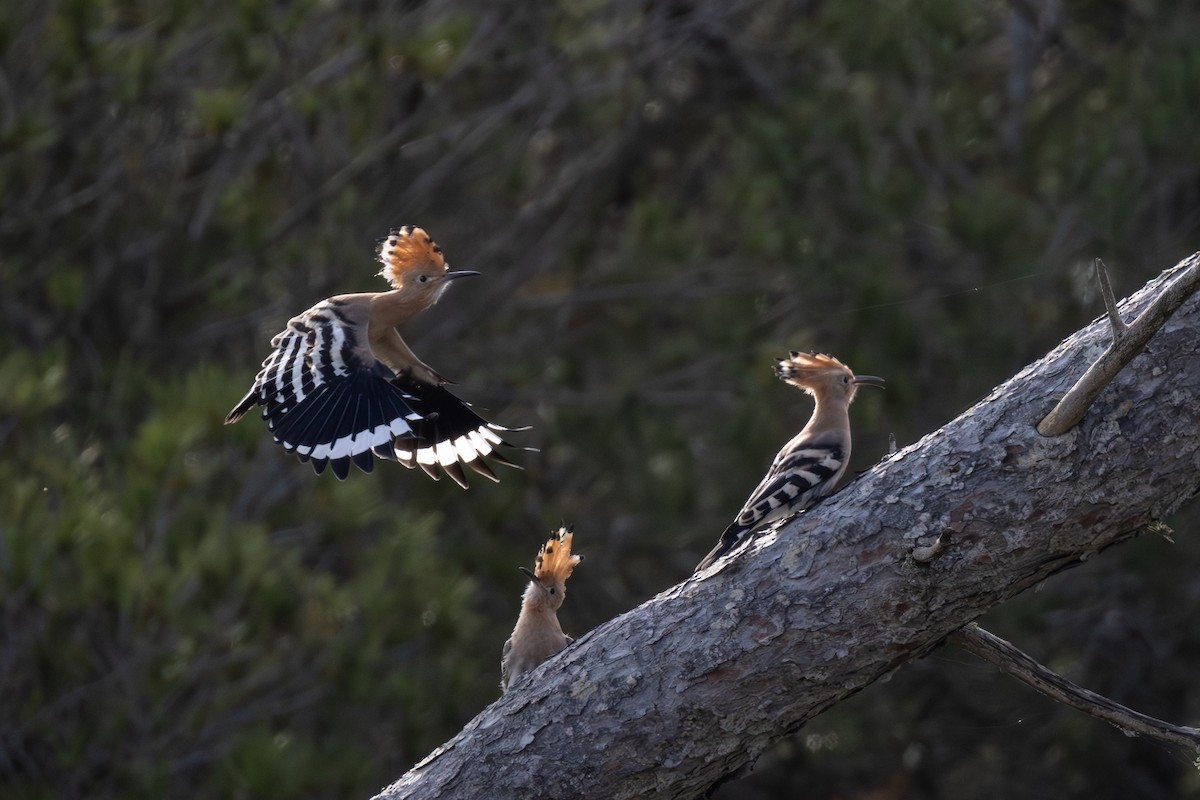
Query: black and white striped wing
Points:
[800, 476]
[448, 434]
[326, 403]
[797, 479]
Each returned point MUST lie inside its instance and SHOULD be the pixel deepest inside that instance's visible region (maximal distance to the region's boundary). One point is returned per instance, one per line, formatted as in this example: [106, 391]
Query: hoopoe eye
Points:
[551, 590]
[846, 379]
[423, 279]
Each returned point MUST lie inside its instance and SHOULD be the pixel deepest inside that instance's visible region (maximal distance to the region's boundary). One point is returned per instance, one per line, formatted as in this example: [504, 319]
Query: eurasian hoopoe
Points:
[809, 466]
[342, 385]
[537, 634]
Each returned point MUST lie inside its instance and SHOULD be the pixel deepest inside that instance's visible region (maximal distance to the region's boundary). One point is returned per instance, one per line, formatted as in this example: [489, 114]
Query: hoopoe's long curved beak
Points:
[459, 273]
[869, 380]
[528, 572]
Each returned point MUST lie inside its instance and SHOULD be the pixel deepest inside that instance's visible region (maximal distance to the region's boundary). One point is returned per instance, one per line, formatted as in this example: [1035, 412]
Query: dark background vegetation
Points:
[663, 197]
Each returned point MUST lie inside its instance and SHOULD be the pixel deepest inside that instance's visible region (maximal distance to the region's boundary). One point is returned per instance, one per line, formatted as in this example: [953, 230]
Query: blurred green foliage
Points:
[663, 197]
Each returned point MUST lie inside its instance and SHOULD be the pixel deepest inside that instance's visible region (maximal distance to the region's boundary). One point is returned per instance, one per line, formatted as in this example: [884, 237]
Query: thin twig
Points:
[1110, 302]
[1009, 659]
[1075, 403]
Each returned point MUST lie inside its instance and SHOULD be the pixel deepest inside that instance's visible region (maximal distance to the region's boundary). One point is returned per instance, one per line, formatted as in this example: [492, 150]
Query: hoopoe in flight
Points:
[537, 634]
[810, 465]
[341, 385]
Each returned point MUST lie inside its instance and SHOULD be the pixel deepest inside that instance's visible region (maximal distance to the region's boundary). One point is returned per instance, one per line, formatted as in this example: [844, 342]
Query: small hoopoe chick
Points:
[341, 385]
[537, 634]
[810, 465]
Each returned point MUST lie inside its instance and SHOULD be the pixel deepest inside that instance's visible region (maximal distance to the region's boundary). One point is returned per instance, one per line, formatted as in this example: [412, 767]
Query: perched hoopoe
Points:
[537, 634]
[341, 385]
[809, 466]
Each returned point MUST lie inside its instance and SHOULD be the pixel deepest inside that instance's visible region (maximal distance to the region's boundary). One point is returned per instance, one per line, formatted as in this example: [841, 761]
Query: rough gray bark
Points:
[697, 682]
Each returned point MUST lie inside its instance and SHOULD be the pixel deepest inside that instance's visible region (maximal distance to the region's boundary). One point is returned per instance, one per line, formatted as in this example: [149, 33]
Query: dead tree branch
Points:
[1012, 661]
[696, 683]
[1127, 342]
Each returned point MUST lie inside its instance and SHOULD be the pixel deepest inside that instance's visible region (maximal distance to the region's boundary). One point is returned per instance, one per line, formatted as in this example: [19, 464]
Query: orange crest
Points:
[554, 560]
[406, 249]
[812, 362]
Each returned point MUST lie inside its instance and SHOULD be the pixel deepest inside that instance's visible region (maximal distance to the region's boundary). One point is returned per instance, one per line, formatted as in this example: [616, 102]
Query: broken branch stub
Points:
[1128, 341]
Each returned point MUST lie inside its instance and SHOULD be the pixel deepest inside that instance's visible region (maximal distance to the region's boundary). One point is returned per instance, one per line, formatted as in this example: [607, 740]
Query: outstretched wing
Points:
[448, 434]
[325, 398]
